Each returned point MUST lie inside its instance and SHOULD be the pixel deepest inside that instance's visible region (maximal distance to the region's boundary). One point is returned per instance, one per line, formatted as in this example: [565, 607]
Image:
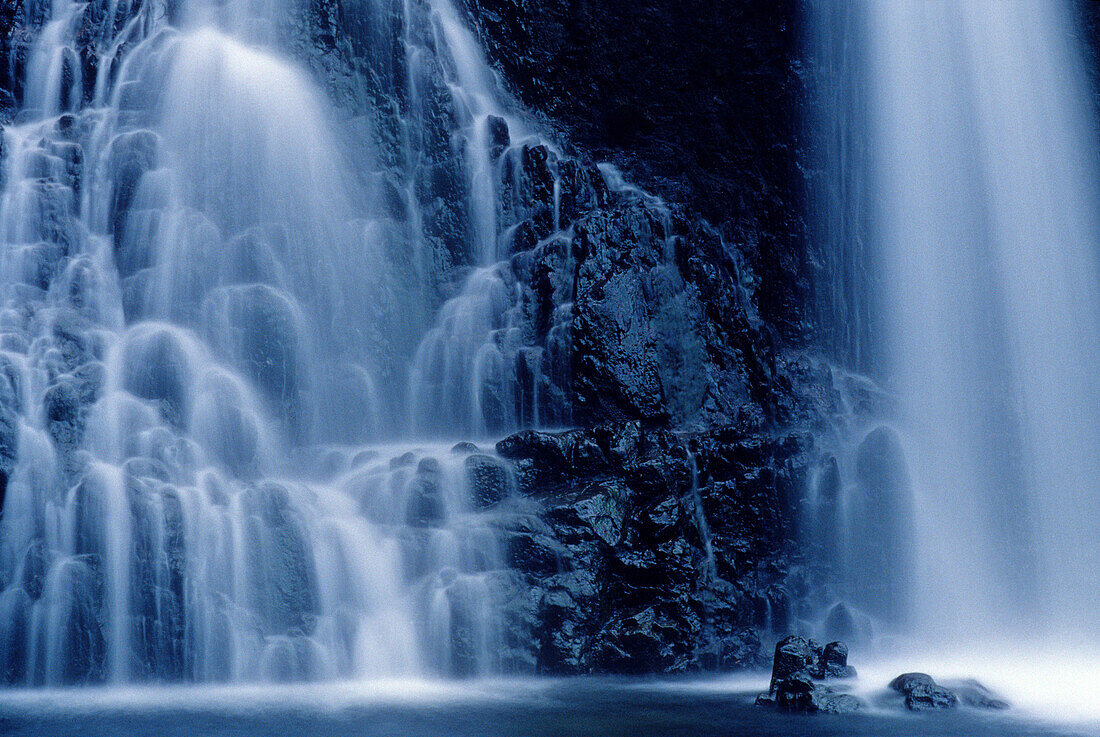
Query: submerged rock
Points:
[972, 693]
[845, 623]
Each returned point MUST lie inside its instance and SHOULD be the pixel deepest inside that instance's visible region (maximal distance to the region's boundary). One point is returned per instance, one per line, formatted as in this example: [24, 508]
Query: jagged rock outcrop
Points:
[682, 316]
[656, 551]
[797, 667]
[698, 101]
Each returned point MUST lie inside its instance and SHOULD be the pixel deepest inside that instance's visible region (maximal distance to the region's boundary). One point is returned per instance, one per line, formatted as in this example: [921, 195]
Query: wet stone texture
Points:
[657, 549]
[798, 669]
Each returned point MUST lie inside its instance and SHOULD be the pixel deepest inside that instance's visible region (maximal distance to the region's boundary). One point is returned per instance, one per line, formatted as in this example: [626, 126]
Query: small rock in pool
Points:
[833, 662]
[922, 692]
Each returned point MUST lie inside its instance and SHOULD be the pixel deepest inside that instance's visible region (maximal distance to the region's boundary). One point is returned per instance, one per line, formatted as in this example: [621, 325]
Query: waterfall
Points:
[971, 143]
[233, 307]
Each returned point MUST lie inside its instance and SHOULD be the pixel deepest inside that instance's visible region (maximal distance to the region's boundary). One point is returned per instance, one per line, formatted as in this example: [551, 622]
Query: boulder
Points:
[834, 662]
[798, 664]
[922, 692]
[487, 478]
[841, 623]
[426, 507]
[793, 656]
[800, 695]
[498, 135]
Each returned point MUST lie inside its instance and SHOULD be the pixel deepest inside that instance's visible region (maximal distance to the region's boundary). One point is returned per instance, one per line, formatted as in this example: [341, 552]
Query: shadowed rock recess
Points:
[644, 352]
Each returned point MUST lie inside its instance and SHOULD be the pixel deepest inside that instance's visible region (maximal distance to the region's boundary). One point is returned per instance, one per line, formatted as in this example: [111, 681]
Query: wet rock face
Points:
[697, 101]
[663, 326]
[664, 312]
[633, 559]
[645, 550]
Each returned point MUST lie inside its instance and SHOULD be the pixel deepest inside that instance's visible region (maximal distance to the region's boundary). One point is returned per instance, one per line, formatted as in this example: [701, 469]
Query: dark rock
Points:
[488, 479]
[840, 623]
[9, 449]
[65, 412]
[602, 509]
[362, 457]
[131, 156]
[921, 692]
[880, 522]
[405, 459]
[539, 458]
[158, 367]
[798, 662]
[430, 467]
[36, 563]
[533, 554]
[793, 692]
[499, 138]
[464, 448]
[800, 695]
[267, 333]
[544, 448]
[622, 502]
[666, 97]
[8, 107]
[793, 656]
[639, 642]
[817, 700]
[834, 662]
[283, 559]
[828, 702]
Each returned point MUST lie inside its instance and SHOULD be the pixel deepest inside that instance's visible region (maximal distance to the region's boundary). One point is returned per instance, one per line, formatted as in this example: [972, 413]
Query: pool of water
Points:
[558, 708]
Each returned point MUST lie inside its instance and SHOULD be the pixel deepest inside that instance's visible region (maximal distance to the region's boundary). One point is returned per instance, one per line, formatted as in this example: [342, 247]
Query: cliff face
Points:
[661, 533]
[678, 549]
[699, 102]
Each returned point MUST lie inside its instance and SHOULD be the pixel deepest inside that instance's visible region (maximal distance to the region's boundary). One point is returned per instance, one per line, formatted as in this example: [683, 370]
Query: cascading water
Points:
[975, 202]
[212, 305]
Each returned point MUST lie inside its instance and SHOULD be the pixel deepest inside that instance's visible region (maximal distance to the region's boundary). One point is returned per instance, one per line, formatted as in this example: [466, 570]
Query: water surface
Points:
[605, 707]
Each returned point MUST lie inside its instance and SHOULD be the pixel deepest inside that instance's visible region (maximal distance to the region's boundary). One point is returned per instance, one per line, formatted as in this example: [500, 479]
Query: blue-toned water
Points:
[545, 708]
